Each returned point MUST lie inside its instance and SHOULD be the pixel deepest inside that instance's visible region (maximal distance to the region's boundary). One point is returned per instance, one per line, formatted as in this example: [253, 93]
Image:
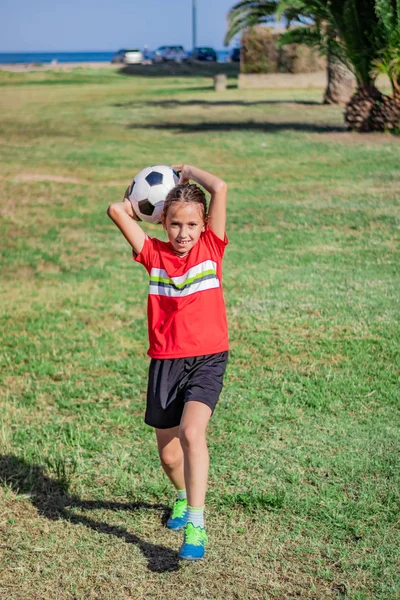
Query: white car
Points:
[133, 57]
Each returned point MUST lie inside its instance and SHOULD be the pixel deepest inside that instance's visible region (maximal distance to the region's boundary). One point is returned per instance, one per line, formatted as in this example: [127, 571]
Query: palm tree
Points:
[386, 113]
[317, 31]
[365, 36]
[313, 31]
[389, 16]
[369, 33]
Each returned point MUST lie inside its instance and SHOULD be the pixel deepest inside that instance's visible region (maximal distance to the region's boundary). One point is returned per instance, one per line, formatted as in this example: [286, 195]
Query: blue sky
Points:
[41, 25]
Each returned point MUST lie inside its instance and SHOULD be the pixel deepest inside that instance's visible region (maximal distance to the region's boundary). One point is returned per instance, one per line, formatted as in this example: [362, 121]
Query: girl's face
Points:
[184, 223]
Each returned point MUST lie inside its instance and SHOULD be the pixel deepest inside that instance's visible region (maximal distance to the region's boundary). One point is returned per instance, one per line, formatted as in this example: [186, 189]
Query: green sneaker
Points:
[178, 516]
[194, 542]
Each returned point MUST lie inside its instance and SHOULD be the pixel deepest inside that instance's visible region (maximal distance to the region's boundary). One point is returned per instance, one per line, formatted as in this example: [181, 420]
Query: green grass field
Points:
[303, 497]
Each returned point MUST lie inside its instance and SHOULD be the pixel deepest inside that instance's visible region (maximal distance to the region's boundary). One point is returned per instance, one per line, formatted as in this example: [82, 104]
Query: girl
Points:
[188, 336]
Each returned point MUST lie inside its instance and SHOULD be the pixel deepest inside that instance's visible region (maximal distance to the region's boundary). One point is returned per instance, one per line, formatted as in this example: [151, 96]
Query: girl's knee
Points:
[170, 458]
[191, 435]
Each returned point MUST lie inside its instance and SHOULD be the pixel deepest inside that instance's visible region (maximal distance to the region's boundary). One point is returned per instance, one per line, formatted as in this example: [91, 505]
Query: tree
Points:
[317, 30]
[386, 113]
[368, 41]
[388, 13]
[365, 36]
[313, 31]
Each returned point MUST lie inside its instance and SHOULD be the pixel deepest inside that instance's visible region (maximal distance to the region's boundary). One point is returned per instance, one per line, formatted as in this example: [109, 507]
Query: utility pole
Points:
[194, 25]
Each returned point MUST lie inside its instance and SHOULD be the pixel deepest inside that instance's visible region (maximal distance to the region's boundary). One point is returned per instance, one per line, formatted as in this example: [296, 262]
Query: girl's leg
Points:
[192, 435]
[171, 455]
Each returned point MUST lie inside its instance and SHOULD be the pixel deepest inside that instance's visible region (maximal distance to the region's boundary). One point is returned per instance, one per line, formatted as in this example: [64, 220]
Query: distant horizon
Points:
[105, 50]
[76, 56]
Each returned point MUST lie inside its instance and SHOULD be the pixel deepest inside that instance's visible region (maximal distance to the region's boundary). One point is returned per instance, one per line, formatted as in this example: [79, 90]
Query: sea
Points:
[70, 57]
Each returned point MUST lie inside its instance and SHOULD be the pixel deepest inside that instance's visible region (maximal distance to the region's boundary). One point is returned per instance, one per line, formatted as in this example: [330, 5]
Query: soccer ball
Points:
[149, 190]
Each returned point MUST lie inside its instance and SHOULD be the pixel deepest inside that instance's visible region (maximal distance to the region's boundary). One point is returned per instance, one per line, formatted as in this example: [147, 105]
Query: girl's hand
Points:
[183, 172]
[126, 195]
[127, 204]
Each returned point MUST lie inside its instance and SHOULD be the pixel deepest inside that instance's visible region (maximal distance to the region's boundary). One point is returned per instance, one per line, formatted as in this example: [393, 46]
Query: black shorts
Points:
[173, 382]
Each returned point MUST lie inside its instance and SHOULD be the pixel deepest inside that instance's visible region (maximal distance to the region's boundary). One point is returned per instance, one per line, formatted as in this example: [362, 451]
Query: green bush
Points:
[261, 55]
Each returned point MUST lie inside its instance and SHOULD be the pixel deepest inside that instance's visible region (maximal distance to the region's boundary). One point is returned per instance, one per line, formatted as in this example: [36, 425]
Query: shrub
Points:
[261, 55]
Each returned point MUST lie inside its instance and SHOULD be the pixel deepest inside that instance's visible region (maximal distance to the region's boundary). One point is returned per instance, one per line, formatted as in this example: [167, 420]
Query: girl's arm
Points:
[124, 217]
[218, 190]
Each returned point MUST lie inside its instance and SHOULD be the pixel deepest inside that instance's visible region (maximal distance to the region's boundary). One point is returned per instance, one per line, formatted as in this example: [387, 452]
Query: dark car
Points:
[235, 55]
[203, 53]
[119, 56]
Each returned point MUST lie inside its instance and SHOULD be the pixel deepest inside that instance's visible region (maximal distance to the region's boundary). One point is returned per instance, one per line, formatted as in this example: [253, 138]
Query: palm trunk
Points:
[395, 87]
[385, 115]
[369, 110]
[341, 82]
[357, 114]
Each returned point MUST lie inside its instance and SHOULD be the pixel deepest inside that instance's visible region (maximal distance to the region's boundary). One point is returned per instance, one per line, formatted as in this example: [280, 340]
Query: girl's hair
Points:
[186, 192]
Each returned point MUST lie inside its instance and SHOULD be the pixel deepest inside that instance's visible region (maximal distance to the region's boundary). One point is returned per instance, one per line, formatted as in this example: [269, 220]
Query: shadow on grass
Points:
[219, 126]
[182, 70]
[180, 103]
[53, 501]
[173, 103]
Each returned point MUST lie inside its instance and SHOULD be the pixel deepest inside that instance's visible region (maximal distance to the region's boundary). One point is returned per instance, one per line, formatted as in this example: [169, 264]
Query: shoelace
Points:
[179, 508]
[195, 536]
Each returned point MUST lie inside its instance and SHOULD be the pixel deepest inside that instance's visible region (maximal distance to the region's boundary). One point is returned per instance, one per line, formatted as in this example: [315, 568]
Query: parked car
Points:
[202, 53]
[169, 54]
[119, 56]
[133, 57]
[235, 55]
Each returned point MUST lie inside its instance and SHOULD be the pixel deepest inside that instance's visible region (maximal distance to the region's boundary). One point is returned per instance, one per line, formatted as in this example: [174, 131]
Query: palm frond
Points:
[309, 36]
[248, 13]
[292, 10]
[320, 39]
[385, 13]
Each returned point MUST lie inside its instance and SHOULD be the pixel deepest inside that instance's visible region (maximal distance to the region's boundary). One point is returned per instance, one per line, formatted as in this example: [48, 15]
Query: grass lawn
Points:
[303, 497]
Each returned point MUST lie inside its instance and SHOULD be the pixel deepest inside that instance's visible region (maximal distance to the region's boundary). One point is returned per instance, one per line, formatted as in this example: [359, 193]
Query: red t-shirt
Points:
[186, 308]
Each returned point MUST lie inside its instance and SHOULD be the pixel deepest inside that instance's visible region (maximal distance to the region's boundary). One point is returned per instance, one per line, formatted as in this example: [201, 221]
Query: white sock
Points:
[196, 516]
[181, 494]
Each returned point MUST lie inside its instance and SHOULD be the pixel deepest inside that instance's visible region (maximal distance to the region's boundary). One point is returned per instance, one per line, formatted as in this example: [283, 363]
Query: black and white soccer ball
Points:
[149, 190]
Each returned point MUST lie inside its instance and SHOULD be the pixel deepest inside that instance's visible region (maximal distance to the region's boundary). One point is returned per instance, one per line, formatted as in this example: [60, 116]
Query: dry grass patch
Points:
[132, 554]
